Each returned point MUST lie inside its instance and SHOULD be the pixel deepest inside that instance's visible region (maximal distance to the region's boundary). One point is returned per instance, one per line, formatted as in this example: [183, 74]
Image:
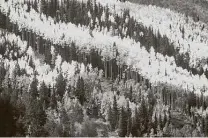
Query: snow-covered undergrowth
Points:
[168, 23]
[160, 69]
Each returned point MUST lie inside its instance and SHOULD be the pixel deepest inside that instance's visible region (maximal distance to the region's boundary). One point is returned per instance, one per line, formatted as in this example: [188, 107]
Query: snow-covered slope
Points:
[160, 69]
[42, 70]
[168, 23]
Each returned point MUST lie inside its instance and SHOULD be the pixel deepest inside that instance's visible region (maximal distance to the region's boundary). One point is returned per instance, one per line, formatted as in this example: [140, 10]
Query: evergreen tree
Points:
[33, 88]
[53, 101]
[129, 122]
[110, 117]
[143, 117]
[155, 124]
[43, 7]
[2, 73]
[191, 100]
[31, 63]
[206, 126]
[203, 126]
[130, 93]
[136, 125]
[60, 86]
[44, 94]
[80, 91]
[35, 5]
[165, 119]
[122, 127]
[129, 127]
[115, 113]
[160, 122]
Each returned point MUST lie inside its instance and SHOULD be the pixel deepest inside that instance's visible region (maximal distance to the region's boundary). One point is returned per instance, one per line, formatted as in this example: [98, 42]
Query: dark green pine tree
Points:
[3, 21]
[31, 63]
[115, 114]
[2, 73]
[130, 93]
[129, 126]
[160, 122]
[43, 8]
[136, 125]
[110, 117]
[155, 124]
[17, 71]
[44, 95]
[203, 126]
[129, 120]
[33, 88]
[53, 101]
[165, 119]
[143, 114]
[35, 5]
[80, 91]
[73, 55]
[206, 126]
[60, 86]
[191, 101]
[122, 127]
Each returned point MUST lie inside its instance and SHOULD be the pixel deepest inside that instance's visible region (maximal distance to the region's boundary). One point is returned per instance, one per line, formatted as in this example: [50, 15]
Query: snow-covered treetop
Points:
[160, 69]
[182, 31]
[13, 39]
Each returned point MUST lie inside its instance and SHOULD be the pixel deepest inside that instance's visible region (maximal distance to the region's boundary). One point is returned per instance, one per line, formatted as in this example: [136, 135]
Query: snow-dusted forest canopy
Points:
[102, 68]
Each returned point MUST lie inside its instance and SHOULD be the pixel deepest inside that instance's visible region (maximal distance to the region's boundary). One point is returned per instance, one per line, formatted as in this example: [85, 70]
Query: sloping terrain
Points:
[91, 68]
[196, 9]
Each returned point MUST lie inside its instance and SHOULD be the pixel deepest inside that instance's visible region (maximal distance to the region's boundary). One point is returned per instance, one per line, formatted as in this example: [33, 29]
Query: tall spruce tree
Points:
[122, 126]
[60, 86]
[115, 113]
[80, 91]
[33, 88]
[44, 95]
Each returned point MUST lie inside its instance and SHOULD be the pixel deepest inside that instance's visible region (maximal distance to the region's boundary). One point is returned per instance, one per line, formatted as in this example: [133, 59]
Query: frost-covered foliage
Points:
[187, 35]
[160, 69]
[14, 45]
[78, 80]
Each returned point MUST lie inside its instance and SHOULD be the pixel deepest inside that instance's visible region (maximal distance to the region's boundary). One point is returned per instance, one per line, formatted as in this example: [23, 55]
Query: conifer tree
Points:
[44, 94]
[165, 119]
[143, 114]
[80, 91]
[60, 86]
[122, 127]
[136, 125]
[130, 93]
[160, 122]
[33, 88]
[155, 124]
[53, 101]
[129, 122]
[206, 126]
[115, 113]
[110, 118]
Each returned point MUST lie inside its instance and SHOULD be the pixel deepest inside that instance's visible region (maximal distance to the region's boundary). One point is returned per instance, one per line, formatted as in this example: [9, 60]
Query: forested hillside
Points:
[101, 68]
